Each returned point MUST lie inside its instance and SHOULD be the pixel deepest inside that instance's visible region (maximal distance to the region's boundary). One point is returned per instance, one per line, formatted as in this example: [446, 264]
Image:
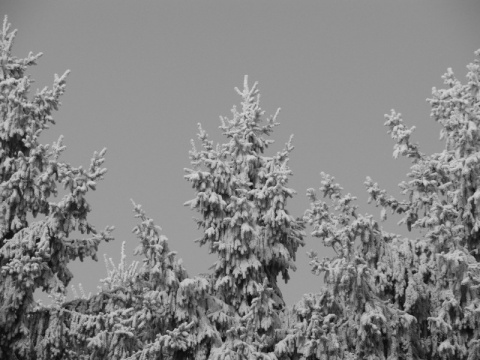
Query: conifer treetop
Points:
[36, 255]
[241, 195]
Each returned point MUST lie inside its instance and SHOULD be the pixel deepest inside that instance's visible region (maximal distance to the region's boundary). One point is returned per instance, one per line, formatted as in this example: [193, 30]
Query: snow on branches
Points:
[393, 297]
[385, 296]
[36, 255]
[242, 196]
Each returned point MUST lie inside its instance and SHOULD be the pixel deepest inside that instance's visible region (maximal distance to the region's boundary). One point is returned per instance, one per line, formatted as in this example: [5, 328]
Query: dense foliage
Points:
[385, 296]
[35, 254]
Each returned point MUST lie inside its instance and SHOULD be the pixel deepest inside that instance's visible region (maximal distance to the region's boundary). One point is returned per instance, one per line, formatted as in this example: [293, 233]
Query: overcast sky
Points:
[144, 73]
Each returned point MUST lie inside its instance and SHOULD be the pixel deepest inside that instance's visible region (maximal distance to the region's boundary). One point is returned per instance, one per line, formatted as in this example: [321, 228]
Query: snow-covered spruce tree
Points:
[241, 196]
[389, 297]
[155, 312]
[34, 255]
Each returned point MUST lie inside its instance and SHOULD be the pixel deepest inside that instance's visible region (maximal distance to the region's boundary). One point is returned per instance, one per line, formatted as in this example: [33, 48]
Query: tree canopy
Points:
[385, 296]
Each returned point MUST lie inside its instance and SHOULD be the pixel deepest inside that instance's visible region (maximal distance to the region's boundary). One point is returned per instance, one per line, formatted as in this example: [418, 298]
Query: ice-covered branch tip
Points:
[401, 134]
[247, 92]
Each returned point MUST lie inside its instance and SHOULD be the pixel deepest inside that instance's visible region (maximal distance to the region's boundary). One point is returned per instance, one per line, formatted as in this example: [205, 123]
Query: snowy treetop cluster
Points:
[385, 296]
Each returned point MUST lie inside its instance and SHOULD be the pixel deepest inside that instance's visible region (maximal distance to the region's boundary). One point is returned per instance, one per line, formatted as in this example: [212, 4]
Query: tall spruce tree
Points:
[242, 196]
[34, 255]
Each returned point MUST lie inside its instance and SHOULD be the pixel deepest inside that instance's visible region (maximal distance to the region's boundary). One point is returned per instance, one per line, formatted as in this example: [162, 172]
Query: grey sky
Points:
[145, 72]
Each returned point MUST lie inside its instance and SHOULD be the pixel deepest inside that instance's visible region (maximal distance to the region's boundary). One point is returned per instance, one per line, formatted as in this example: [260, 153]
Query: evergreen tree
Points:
[242, 199]
[35, 255]
[389, 297]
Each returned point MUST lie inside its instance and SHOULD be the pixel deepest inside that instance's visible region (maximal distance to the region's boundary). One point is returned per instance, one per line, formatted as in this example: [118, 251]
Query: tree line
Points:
[385, 296]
